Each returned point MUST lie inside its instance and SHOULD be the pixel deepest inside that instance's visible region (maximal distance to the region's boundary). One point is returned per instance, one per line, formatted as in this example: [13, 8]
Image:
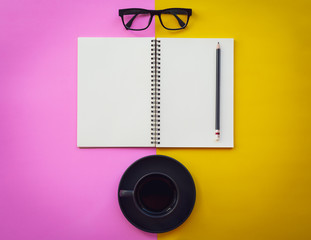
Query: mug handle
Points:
[126, 193]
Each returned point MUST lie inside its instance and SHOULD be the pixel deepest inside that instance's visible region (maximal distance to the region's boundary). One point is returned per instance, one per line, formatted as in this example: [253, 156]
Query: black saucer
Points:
[185, 199]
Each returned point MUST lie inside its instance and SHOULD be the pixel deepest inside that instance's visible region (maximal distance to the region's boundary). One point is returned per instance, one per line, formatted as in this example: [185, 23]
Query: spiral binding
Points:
[155, 90]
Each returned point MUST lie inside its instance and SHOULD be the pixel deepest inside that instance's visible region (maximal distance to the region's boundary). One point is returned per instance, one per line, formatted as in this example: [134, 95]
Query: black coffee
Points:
[156, 194]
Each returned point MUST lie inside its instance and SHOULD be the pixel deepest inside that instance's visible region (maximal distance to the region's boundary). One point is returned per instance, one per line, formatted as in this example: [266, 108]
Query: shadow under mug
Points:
[155, 194]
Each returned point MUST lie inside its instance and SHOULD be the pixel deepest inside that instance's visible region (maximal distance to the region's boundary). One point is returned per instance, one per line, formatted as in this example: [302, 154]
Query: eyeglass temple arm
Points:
[129, 24]
[181, 23]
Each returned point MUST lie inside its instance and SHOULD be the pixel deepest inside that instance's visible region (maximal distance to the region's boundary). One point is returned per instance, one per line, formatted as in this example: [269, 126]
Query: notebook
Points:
[147, 92]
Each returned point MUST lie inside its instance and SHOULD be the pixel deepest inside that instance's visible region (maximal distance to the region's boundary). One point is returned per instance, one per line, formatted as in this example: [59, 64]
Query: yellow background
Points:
[261, 189]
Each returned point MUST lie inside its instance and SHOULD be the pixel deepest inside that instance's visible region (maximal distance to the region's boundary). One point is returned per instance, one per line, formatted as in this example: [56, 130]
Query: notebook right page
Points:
[188, 91]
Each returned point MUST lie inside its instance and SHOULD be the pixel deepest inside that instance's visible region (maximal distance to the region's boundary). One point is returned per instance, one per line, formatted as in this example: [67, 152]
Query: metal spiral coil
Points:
[155, 91]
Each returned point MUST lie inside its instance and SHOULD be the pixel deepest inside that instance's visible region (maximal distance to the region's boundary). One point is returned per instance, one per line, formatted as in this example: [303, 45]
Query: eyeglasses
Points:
[138, 19]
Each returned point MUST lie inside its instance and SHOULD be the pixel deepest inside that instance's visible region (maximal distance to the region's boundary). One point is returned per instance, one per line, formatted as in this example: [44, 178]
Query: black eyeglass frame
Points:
[152, 13]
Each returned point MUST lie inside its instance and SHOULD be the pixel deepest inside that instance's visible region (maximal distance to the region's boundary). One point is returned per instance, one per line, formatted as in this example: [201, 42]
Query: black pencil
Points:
[217, 115]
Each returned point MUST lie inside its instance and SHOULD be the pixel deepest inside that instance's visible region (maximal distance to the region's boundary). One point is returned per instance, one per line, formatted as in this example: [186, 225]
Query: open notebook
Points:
[146, 92]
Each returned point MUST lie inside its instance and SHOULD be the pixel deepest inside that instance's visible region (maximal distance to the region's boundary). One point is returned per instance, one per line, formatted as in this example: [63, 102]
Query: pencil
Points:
[217, 115]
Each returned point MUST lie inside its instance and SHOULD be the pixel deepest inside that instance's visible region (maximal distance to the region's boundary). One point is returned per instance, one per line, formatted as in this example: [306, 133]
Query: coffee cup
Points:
[155, 194]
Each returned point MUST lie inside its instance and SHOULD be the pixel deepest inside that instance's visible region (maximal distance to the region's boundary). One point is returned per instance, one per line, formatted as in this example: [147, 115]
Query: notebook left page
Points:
[114, 92]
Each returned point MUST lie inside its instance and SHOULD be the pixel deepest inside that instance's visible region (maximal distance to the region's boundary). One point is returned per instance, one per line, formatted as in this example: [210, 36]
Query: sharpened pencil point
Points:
[217, 135]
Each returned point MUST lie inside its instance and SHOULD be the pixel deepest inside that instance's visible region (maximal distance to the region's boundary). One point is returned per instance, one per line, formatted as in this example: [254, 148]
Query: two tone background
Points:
[50, 189]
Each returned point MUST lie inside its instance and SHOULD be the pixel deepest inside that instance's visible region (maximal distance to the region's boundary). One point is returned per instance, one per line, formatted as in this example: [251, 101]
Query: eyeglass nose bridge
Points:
[155, 12]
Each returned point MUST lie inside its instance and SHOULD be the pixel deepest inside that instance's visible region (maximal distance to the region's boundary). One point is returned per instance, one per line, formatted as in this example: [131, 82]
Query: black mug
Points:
[155, 194]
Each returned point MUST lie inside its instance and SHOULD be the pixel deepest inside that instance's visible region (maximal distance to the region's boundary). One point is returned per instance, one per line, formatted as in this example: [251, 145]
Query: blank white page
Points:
[114, 92]
[188, 89]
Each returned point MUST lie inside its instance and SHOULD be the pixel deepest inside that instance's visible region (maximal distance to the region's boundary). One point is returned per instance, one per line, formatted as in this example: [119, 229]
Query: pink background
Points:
[49, 188]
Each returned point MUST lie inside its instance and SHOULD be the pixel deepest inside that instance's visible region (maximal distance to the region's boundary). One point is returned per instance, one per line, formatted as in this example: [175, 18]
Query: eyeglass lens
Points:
[137, 20]
[174, 19]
